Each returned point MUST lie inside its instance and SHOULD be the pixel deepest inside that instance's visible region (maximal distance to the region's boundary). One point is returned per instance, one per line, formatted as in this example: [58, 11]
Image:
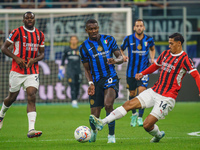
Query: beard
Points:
[140, 33]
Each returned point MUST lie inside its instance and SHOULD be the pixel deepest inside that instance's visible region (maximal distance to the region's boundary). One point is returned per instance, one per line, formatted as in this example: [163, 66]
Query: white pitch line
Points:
[99, 139]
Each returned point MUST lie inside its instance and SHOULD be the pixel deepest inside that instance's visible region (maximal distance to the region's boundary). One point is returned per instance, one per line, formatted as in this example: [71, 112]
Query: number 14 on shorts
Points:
[163, 105]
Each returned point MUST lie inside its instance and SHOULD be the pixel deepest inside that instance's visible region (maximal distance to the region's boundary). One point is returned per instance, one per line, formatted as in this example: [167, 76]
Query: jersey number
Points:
[145, 78]
[163, 105]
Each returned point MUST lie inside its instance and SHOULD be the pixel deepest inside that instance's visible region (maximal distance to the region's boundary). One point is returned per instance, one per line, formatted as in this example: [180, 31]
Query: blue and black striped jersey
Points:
[138, 51]
[97, 53]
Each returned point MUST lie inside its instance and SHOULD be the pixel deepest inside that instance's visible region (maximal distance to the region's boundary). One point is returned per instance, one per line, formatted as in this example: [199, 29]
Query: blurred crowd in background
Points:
[9, 4]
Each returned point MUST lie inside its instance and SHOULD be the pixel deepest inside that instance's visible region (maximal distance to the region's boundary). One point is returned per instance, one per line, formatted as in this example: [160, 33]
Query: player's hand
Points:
[91, 90]
[61, 73]
[138, 76]
[111, 61]
[30, 62]
[21, 62]
[152, 61]
[125, 58]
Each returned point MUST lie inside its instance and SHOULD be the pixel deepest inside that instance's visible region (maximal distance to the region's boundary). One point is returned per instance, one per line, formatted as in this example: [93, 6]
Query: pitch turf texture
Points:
[58, 123]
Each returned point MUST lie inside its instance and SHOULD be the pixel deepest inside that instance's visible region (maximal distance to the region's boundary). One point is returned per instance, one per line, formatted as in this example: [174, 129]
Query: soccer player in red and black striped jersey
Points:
[27, 41]
[174, 63]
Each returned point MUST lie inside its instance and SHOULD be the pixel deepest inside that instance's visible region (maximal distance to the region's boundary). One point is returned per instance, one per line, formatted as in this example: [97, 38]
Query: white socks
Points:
[155, 132]
[115, 114]
[4, 108]
[31, 120]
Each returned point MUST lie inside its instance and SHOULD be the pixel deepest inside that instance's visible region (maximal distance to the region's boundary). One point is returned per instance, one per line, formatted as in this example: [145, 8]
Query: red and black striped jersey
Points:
[26, 44]
[173, 69]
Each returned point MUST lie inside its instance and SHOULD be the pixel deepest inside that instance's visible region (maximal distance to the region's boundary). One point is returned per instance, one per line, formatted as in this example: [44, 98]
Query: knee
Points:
[31, 97]
[108, 107]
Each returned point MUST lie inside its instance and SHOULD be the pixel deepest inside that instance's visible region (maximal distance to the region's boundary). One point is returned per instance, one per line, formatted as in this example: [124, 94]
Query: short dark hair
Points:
[139, 20]
[73, 36]
[91, 21]
[177, 37]
[28, 12]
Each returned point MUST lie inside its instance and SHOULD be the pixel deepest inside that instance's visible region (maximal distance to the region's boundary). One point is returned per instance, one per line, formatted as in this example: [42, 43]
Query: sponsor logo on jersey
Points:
[101, 54]
[30, 46]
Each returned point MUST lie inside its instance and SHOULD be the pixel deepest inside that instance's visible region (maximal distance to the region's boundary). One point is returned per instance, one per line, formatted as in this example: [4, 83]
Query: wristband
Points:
[91, 82]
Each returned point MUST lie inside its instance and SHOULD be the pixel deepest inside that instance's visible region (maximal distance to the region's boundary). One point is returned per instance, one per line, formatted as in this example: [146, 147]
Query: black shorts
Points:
[98, 98]
[132, 83]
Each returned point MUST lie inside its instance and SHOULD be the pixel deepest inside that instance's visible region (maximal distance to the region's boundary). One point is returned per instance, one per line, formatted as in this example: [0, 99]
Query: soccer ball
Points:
[82, 134]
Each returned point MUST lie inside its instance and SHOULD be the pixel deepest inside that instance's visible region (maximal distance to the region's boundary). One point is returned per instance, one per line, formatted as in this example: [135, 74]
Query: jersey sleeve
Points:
[151, 42]
[84, 57]
[13, 36]
[114, 45]
[64, 55]
[196, 76]
[188, 65]
[41, 39]
[124, 43]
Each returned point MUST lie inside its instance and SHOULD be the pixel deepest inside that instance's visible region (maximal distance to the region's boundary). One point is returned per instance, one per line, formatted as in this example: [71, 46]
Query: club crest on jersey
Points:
[139, 47]
[100, 48]
[176, 60]
[105, 41]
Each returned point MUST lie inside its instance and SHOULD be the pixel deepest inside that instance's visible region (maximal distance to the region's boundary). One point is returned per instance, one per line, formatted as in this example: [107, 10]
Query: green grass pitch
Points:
[58, 123]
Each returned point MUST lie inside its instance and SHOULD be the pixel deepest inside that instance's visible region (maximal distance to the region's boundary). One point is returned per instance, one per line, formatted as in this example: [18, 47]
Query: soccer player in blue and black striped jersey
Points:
[138, 50]
[97, 57]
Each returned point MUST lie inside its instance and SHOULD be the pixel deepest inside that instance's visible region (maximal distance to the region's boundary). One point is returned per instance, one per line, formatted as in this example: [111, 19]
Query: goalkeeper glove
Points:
[60, 73]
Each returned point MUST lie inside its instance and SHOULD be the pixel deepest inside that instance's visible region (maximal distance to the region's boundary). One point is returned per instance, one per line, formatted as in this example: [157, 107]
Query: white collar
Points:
[177, 54]
[29, 30]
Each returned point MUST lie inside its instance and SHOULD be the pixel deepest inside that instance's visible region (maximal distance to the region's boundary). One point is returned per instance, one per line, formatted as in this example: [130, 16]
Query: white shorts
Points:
[17, 80]
[161, 105]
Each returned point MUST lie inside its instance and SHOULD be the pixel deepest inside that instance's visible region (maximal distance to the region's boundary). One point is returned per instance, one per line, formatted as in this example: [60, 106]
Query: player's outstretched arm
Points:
[117, 60]
[196, 76]
[21, 62]
[151, 69]
[91, 89]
